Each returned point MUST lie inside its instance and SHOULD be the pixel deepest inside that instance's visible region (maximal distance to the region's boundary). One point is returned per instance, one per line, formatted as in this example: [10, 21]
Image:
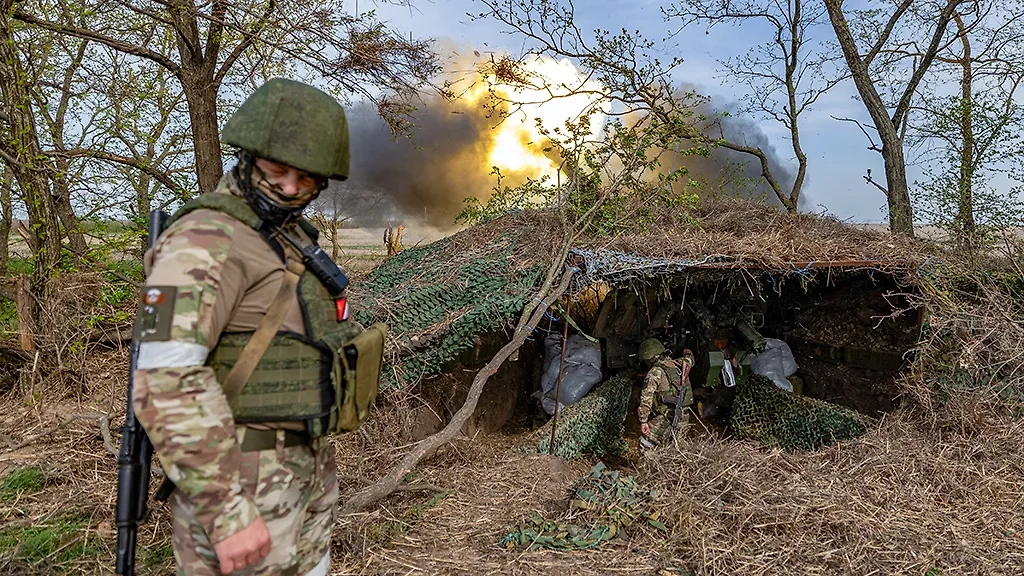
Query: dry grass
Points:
[902, 500]
[80, 473]
[905, 499]
[756, 233]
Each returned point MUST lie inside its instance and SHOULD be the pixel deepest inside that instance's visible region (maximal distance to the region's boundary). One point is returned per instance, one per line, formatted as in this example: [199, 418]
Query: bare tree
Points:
[785, 76]
[53, 68]
[907, 23]
[213, 39]
[629, 75]
[327, 214]
[970, 136]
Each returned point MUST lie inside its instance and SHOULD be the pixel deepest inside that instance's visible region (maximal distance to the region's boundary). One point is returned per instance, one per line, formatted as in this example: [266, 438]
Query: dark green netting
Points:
[592, 426]
[778, 418]
[601, 505]
[437, 298]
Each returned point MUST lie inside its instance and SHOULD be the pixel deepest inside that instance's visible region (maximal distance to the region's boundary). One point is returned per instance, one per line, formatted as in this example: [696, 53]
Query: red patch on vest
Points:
[341, 305]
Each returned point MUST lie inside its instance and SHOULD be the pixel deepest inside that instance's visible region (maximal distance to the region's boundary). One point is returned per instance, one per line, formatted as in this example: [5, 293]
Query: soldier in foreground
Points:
[666, 393]
[246, 359]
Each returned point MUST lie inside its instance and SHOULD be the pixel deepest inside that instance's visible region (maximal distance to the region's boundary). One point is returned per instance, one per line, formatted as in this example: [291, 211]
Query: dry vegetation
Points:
[938, 488]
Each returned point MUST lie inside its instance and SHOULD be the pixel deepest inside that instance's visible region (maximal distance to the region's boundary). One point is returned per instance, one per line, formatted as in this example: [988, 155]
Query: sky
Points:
[838, 155]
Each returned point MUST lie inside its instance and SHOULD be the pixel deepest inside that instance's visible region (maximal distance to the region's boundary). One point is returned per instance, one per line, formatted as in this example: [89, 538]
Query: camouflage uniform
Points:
[661, 386]
[224, 277]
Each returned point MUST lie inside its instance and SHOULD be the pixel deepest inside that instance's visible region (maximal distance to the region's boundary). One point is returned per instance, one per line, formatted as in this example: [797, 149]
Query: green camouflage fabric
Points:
[295, 492]
[593, 426]
[439, 298]
[777, 418]
[602, 505]
[183, 410]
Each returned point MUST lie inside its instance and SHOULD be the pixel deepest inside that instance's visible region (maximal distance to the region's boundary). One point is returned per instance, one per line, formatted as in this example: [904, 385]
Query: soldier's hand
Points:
[243, 548]
[645, 428]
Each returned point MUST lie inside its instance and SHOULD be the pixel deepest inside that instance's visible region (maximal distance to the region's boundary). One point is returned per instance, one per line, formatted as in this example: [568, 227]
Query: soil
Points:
[506, 392]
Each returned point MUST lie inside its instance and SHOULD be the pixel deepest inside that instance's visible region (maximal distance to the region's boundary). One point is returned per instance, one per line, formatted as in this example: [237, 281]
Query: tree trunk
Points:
[6, 217]
[792, 111]
[966, 227]
[901, 217]
[19, 141]
[202, 110]
[66, 213]
[143, 205]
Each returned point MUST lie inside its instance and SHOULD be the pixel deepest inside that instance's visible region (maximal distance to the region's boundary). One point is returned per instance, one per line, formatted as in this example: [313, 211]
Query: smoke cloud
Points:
[424, 180]
[731, 172]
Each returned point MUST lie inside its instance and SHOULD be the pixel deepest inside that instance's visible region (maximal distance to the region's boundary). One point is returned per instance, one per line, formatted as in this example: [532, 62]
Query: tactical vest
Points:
[674, 375]
[326, 378]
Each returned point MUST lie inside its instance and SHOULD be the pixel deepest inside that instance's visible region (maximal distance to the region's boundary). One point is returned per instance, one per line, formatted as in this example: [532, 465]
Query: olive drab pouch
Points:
[360, 364]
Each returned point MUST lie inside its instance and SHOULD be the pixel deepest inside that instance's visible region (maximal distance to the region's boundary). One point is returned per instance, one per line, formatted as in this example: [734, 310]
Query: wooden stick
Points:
[23, 307]
[558, 386]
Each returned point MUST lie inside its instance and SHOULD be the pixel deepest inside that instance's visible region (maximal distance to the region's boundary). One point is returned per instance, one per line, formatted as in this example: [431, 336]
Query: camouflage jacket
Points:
[663, 379]
[219, 276]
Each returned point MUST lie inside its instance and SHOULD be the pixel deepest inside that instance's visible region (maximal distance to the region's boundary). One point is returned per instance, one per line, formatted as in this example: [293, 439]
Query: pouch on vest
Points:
[360, 364]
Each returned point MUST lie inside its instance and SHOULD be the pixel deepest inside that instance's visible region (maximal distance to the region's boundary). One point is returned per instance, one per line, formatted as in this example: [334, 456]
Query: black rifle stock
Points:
[136, 455]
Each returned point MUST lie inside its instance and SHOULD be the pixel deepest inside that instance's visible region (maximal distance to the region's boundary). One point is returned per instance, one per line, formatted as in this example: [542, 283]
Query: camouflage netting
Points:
[437, 298]
[777, 418]
[602, 504]
[593, 425]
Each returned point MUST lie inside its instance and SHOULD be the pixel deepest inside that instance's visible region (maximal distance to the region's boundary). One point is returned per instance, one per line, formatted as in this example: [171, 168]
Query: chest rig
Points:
[325, 379]
[673, 376]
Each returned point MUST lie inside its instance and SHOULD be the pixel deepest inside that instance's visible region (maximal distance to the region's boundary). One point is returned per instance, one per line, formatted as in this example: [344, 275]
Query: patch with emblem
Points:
[156, 310]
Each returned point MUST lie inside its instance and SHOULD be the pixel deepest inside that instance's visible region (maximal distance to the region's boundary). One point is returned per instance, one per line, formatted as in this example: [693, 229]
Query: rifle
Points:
[687, 363]
[136, 454]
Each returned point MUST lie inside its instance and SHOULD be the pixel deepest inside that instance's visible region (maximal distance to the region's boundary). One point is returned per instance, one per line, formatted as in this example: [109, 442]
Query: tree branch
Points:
[138, 164]
[940, 29]
[247, 40]
[871, 140]
[424, 449]
[876, 184]
[887, 31]
[106, 40]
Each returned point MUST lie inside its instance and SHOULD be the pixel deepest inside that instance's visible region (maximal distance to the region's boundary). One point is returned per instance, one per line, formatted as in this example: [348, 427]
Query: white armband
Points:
[170, 354]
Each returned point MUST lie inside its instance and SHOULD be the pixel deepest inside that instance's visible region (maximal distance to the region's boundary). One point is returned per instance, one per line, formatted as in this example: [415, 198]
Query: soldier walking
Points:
[254, 475]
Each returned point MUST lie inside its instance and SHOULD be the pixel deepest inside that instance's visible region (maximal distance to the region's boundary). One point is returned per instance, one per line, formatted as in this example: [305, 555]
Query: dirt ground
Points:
[917, 496]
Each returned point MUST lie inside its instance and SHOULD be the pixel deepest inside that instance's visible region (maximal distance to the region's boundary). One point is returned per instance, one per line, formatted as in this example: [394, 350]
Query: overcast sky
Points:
[837, 151]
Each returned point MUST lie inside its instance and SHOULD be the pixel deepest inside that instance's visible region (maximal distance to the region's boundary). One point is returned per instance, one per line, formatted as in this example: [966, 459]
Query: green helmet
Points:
[295, 124]
[650, 349]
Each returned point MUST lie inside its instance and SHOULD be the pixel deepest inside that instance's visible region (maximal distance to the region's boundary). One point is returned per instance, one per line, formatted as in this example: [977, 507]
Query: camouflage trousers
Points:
[296, 490]
[661, 426]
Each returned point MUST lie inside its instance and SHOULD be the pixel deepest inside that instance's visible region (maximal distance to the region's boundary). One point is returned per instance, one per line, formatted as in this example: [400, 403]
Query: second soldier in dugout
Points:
[665, 385]
[246, 359]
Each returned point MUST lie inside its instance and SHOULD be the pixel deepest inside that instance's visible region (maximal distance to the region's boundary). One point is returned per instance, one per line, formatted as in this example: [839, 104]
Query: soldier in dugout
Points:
[254, 475]
[663, 384]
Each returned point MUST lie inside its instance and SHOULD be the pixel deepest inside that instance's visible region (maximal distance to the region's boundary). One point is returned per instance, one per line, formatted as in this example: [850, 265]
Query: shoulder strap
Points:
[260, 341]
[229, 204]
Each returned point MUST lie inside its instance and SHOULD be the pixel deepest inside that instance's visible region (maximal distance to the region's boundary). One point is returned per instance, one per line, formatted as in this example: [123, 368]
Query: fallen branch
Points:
[393, 481]
[105, 432]
[94, 416]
